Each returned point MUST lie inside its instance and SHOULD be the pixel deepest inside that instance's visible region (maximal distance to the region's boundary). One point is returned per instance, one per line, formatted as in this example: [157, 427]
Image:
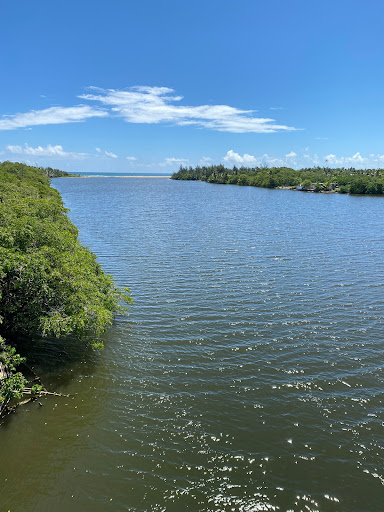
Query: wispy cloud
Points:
[206, 160]
[56, 151]
[106, 153]
[52, 115]
[154, 105]
[171, 162]
[131, 158]
[147, 105]
[292, 154]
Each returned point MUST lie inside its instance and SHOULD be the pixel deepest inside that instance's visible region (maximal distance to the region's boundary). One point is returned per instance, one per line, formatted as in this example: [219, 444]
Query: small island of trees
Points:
[315, 179]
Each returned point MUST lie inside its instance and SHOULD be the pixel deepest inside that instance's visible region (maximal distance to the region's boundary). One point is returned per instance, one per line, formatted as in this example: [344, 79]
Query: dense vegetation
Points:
[49, 283]
[317, 179]
[55, 173]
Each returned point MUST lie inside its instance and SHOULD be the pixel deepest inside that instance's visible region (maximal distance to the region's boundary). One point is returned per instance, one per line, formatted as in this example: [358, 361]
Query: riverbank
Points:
[50, 284]
[317, 179]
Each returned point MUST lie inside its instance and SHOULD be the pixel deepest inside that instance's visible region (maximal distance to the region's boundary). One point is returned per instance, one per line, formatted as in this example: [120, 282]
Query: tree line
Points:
[316, 179]
[50, 285]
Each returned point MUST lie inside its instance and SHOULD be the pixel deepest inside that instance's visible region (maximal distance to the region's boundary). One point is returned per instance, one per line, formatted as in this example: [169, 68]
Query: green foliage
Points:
[49, 283]
[323, 179]
[13, 385]
[343, 189]
[36, 389]
[243, 179]
[9, 357]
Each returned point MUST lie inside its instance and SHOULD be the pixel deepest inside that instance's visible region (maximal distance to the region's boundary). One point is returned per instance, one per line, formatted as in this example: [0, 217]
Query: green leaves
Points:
[8, 356]
[49, 283]
[12, 387]
[13, 384]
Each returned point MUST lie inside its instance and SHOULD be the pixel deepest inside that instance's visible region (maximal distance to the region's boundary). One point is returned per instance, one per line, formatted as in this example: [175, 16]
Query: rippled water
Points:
[249, 375]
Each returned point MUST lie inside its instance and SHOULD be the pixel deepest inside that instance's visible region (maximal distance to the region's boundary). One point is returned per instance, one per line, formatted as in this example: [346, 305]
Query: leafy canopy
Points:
[49, 283]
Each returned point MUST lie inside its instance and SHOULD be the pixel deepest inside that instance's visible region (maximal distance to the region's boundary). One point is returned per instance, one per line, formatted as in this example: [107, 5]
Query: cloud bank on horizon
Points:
[231, 158]
[147, 105]
[294, 160]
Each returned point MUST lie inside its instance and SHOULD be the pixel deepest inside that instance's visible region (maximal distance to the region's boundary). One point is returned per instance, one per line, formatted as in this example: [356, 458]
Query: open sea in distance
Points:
[122, 174]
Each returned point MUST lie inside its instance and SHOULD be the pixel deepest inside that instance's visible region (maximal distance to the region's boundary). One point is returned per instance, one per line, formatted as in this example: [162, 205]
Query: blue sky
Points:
[145, 86]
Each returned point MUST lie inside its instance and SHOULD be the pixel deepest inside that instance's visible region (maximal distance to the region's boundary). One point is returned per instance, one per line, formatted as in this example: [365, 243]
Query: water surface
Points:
[249, 374]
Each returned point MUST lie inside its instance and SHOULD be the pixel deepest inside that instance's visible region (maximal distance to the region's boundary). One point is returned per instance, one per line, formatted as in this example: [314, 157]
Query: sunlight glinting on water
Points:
[248, 375]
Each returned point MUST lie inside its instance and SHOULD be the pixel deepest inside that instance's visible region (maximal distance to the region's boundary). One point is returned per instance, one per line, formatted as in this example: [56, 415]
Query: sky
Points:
[129, 86]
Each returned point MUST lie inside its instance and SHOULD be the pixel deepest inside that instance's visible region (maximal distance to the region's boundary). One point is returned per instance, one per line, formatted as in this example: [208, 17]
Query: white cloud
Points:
[153, 105]
[332, 159]
[270, 160]
[111, 155]
[56, 151]
[233, 157]
[171, 162]
[251, 160]
[356, 159]
[131, 158]
[306, 159]
[52, 115]
[176, 161]
[150, 105]
[105, 153]
[206, 160]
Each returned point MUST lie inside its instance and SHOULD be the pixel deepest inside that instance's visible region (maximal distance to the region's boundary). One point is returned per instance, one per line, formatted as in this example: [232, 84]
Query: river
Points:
[248, 376]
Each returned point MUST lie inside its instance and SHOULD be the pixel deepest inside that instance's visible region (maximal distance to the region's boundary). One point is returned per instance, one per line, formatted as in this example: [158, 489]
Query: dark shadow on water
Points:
[58, 361]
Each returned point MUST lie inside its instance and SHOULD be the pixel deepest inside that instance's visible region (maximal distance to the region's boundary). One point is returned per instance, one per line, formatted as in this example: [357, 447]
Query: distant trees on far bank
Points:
[316, 179]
